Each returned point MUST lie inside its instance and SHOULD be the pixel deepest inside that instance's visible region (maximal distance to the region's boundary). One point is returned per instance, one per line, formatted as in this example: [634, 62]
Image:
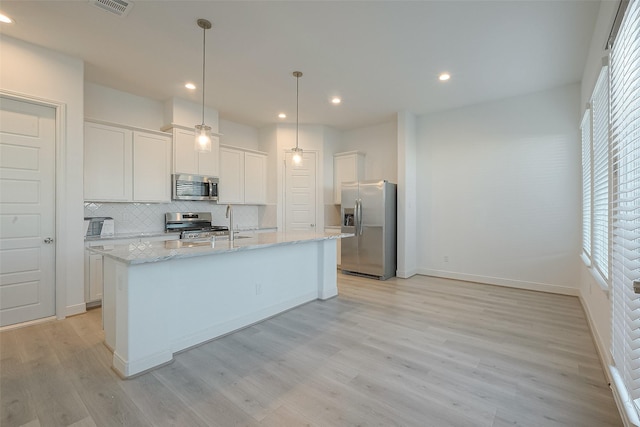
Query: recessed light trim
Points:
[5, 19]
[282, 116]
[443, 77]
[336, 100]
[190, 86]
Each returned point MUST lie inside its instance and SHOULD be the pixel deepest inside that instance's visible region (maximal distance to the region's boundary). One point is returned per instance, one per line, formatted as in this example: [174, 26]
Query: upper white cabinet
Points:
[122, 164]
[243, 177]
[151, 167]
[108, 159]
[231, 186]
[189, 161]
[347, 167]
[255, 178]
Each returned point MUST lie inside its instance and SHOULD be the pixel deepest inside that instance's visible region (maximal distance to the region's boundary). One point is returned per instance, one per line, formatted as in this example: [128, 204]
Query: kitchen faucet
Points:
[230, 216]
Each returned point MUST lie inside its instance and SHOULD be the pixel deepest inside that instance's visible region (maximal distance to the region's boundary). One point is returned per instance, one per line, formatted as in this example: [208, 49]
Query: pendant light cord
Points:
[297, 102]
[204, 41]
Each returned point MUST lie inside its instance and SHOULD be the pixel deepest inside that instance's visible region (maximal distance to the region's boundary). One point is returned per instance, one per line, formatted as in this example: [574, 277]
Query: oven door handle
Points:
[210, 189]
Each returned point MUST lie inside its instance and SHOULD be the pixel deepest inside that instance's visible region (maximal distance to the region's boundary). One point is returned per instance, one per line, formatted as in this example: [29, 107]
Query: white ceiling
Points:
[380, 56]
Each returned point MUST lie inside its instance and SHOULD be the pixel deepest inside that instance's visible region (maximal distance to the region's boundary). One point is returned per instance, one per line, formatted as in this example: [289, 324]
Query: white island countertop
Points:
[142, 251]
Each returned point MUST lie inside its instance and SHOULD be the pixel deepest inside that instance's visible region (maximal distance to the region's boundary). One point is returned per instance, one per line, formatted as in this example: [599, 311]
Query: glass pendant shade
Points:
[203, 138]
[297, 155]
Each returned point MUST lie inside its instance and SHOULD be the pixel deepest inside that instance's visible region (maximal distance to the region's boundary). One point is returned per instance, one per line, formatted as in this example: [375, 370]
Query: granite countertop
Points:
[155, 251]
[119, 236]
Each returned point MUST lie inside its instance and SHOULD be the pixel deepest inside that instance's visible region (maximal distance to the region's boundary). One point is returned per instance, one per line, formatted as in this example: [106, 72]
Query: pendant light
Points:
[297, 151]
[202, 131]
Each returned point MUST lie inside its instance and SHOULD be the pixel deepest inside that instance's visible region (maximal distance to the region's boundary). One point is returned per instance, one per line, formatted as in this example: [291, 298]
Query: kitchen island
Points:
[161, 297]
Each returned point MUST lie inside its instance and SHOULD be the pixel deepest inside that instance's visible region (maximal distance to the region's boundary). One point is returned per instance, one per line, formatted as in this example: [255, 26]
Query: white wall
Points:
[498, 192]
[238, 135]
[407, 195]
[115, 106]
[379, 143]
[33, 71]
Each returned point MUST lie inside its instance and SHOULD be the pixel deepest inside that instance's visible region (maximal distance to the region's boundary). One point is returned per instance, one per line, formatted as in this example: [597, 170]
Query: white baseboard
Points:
[623, 400]
[511, 283]
[405, 274]
[127, 369]
[619, 396]
[72, 310]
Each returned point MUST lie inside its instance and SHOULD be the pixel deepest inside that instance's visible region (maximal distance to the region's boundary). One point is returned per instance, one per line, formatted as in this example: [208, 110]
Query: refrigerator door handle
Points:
[359, 223]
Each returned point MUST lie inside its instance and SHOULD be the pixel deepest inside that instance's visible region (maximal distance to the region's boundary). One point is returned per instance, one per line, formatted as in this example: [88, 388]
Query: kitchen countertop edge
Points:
[155, 251]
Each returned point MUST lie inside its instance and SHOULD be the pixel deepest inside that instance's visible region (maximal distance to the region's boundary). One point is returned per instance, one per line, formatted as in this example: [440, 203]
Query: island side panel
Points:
[327, 269]
[142, 307]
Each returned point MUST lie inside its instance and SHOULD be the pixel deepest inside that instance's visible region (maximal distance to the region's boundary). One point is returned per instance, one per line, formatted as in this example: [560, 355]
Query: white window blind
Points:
[600, 200]
[625, 176]
[585, 129]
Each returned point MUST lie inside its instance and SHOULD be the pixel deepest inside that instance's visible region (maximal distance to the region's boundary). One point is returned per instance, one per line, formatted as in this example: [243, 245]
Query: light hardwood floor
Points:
[417, 352]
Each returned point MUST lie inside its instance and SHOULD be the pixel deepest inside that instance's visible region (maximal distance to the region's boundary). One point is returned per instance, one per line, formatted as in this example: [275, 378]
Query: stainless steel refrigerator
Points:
[369, 211]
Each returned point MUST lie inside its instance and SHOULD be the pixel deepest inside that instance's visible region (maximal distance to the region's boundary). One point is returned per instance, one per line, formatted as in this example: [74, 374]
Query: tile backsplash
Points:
[144, 218]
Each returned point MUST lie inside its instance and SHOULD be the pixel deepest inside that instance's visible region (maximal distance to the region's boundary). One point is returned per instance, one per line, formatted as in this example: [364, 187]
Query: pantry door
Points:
[300, 193]
[27, 211]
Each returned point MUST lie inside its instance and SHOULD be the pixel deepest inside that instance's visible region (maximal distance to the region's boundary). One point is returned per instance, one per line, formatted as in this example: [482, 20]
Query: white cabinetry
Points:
[93, 271]
[189, 161]
[122, 164]
[108, 160]
[255, 178]
[151, 167]
[347, 167]
[93, 264]
[243, 177]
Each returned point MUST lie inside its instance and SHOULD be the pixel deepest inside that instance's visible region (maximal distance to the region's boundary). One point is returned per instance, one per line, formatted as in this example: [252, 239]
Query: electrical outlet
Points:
[446, 258]
[258, 288]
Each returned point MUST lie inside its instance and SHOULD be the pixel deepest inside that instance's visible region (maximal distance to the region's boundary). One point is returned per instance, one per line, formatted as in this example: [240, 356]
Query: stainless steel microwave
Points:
[194, 187]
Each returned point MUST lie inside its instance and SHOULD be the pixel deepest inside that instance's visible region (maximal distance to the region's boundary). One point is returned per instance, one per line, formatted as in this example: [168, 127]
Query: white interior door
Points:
[300, 193]
[27, 211]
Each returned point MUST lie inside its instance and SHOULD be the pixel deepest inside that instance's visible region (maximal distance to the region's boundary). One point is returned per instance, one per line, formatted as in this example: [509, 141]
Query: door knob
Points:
[313, 225]
[48, 240]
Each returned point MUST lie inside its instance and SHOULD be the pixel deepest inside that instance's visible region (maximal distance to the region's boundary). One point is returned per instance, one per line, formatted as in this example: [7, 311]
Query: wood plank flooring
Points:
[417, 352]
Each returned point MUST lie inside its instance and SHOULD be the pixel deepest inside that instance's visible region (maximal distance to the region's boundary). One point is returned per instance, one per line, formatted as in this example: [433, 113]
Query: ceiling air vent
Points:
[117, 7]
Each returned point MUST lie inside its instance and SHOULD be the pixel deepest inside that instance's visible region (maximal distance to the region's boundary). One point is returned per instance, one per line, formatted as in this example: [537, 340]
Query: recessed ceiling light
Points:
[4, 18]
[444, 77]
[282, 115]
[190, 86]
[336, 100]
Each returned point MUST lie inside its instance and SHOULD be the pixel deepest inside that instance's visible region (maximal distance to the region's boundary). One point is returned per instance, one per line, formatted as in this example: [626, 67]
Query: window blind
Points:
[585, 129]
[625, 176]
[600, 200]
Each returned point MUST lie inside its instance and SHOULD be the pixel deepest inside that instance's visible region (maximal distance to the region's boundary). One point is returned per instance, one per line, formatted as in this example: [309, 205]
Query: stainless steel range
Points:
[193, 225]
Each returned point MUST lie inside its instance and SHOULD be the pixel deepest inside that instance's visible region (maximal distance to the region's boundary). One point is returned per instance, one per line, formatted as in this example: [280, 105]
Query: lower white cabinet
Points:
[93, 287]
[124, 164]
[243, 177]
[93, 263]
